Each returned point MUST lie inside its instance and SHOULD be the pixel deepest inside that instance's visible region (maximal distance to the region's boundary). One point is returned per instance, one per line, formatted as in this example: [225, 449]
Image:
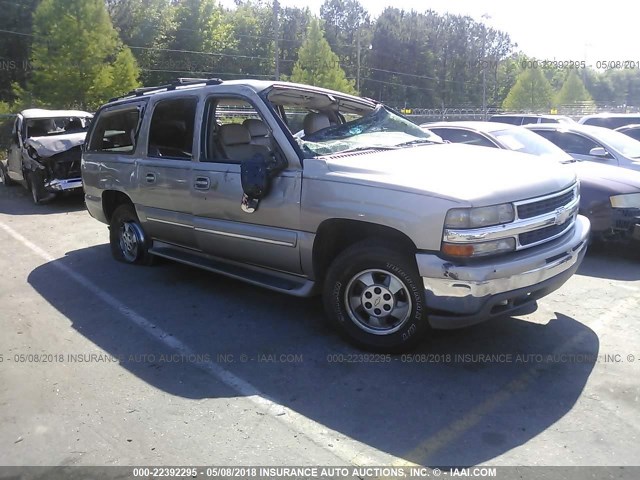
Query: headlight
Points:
[480, 216]
[479, 249]
[631, 200]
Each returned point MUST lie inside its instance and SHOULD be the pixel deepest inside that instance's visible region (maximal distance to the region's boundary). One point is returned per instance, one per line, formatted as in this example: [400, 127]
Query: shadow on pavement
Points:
[463, 398]
[16, 200]
[613, 262]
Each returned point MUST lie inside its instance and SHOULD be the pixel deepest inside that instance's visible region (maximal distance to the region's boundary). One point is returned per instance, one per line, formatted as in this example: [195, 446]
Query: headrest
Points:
[314, 122]
[256, 127]
[234, 134]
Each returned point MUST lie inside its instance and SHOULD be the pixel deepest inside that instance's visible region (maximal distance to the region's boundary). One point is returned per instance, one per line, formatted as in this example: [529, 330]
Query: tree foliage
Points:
[573, 91]
[77, 57]
[531, 92]
[318, 65]
[413, 58]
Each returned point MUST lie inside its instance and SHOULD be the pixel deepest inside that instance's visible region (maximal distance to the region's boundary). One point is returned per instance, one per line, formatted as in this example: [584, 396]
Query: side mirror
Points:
[599, 152]
[254, 175]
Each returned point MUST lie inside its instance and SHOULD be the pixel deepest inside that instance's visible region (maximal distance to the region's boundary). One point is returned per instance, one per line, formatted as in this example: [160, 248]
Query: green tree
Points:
[294, 23]
[531, 91]
[14, 47]
[318, 65]
[77, 57]
[144, 26]
[201, 39]
[573, 91]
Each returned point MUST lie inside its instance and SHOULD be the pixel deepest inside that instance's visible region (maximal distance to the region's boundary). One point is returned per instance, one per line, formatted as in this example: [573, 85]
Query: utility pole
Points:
[358, 61]
[276, 37]
[486, 16]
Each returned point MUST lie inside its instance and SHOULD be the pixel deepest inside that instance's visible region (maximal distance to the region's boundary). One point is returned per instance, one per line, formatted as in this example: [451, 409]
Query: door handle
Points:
[151, 178]
[202, 183]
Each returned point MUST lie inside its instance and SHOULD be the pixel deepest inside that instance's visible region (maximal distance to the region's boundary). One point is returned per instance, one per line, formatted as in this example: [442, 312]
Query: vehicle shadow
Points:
[15, 200]
[612, 262]
[462, 398]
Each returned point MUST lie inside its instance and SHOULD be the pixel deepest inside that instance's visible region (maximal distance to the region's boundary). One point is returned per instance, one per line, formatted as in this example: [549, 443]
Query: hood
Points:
[608, 177]
[51, 145]
[462, 173]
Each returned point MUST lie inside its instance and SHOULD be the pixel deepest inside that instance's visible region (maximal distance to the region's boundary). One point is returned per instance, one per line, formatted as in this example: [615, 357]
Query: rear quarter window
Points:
[115, 131]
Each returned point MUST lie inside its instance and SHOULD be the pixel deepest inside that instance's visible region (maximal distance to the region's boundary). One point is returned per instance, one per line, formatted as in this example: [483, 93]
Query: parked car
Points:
[527, 118]
[595, 144]
[609, 196]
[399, 233]
[45, 152]
[610, 120]
[632, 131]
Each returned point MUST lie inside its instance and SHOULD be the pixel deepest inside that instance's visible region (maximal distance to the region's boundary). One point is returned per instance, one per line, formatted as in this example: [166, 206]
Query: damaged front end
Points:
[55, 162]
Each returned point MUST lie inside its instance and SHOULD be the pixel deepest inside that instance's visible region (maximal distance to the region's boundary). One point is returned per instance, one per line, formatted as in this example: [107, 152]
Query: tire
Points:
[129, 244]
[4, 177]
[394, 319]
[38, 193]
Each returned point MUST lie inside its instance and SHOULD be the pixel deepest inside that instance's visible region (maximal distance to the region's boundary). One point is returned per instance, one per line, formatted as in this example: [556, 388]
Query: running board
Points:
[262, 277]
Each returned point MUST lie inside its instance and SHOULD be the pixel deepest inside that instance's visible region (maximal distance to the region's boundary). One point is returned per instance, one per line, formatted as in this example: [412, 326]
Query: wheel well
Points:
[334, 236]
[112, 199]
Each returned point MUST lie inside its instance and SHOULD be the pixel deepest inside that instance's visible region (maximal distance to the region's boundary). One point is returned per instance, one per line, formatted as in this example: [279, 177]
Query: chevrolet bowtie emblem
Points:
[562, 215]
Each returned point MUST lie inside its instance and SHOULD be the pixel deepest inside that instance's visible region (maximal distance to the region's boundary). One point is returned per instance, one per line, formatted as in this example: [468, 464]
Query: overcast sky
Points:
[546, 29]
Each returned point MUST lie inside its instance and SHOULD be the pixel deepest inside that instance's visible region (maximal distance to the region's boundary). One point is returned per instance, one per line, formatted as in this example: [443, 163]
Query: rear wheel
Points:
[129, 244]
[374, 295]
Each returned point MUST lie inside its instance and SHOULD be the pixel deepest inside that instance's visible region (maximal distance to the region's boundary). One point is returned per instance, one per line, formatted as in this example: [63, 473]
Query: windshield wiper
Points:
[419, 141]
[364, 148]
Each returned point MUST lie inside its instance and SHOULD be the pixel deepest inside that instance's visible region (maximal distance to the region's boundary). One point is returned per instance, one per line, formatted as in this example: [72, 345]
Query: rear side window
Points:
[505, 119]
[171, 130]
[116, 131]
[611, 122]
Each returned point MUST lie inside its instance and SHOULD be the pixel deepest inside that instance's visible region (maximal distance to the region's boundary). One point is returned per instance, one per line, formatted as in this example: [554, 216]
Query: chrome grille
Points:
[542, 234]
[563, 204]
[547, 205]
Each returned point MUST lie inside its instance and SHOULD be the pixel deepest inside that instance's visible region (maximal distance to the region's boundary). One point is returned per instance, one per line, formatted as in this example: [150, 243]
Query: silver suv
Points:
[399, 232]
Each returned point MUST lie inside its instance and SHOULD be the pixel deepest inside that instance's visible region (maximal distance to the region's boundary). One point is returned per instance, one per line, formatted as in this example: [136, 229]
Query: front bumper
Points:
[57, 185]
[463, 295]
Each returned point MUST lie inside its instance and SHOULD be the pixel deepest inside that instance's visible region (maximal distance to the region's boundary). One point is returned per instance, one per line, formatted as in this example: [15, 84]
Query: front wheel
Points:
[36, 185]
[129, 244]
[374, 295]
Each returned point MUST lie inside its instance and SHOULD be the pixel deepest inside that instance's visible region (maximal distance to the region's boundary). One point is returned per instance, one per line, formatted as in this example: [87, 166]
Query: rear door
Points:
[267, 237]
[164, 173]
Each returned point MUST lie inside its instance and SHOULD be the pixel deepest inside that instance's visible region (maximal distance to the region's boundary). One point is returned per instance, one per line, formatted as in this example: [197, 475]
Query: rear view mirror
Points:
[599, 152]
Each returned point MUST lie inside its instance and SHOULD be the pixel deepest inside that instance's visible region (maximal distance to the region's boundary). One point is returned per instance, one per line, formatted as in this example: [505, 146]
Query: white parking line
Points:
[346, 449]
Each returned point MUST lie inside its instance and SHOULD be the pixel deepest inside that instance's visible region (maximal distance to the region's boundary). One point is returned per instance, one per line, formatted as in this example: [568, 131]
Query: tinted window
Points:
[570, 142]
[505, 119]
[529, 120]
[611, 122]
[462, 136]
[633, 133]
[171, 130]
[116, 131]
[548, 120]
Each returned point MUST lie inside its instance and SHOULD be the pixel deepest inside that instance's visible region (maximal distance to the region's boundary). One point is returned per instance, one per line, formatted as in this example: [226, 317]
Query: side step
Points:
[262, 277]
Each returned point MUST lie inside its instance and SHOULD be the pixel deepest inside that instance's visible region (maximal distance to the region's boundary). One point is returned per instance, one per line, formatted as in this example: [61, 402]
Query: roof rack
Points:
[178, 82]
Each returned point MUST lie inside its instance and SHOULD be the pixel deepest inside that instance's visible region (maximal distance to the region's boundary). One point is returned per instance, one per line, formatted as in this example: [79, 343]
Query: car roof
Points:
[631, 126]
[574, 127]
[257, 86]
[43, 113]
